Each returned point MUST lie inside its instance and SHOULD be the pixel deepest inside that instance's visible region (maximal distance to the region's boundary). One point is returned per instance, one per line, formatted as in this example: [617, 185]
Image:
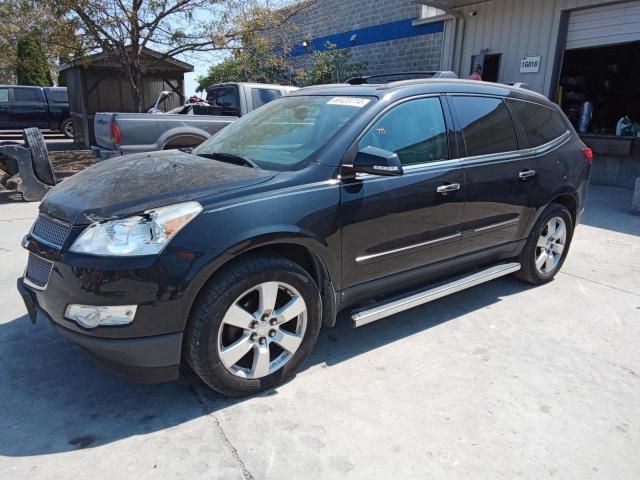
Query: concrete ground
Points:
[498, 382]
[56, 141]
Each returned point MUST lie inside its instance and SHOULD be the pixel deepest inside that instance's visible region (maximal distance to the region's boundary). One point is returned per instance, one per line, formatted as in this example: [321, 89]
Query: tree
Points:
[329, 66]
[258, 60]
[123, 28]
[32, 67]
[35, 19]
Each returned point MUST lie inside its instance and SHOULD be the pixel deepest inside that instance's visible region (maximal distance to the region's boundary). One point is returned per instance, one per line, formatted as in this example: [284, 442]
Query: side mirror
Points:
[376, 161]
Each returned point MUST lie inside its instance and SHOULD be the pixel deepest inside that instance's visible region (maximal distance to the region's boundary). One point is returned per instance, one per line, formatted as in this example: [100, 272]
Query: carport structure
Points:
[97, 84]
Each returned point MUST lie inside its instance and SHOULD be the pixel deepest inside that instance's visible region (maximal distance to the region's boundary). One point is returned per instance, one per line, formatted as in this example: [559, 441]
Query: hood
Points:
[138, 182]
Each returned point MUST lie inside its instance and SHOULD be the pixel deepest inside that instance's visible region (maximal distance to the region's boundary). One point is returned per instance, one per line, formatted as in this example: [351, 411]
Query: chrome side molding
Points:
[382, 310]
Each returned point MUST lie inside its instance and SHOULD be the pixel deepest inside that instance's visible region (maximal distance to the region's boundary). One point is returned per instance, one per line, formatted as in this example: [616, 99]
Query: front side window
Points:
[260, 96]
[541, 124]
[4, 95]
[486, 124]
[284, 133]
[26, 95]
[414, 130]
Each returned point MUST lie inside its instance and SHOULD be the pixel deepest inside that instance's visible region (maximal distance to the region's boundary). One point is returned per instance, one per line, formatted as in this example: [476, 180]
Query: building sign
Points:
[530, 64]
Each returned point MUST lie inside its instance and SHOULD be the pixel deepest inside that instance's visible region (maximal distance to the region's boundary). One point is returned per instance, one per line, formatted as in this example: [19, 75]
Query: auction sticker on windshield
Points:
[349, 101]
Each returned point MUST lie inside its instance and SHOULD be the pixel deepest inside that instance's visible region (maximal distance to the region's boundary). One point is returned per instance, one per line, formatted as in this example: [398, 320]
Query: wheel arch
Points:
[566, 198]
[302, 250]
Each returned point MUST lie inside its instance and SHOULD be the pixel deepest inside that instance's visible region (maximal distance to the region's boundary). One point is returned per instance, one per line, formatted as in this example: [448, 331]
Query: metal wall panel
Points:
[604, 25]
[514, 28]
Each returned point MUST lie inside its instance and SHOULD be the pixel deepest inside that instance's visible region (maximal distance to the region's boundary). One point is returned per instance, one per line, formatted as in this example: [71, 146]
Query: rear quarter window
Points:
[486, 124]
[58, 96]
[541, 124]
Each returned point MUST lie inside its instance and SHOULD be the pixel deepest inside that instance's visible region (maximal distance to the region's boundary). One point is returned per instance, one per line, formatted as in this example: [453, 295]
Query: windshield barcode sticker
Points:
[349, 101]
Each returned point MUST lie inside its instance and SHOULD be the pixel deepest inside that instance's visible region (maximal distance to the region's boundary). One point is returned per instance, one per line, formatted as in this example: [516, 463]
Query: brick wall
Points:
[329, 17]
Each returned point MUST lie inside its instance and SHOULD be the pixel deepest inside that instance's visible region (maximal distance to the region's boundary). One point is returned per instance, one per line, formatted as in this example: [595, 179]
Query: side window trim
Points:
[462, 146]
[353, 148]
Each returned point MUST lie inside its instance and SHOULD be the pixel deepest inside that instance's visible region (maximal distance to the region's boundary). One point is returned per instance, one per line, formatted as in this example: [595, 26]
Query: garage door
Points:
[609, 25]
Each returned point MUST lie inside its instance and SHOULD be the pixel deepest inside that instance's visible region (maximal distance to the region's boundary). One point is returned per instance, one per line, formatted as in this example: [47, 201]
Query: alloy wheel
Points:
[551, 245]
[262, 330]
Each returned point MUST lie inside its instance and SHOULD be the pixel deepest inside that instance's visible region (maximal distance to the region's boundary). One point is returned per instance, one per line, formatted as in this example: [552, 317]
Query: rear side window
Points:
[26, 95]
[260, 96]
[415, 130]
[541, 124]
[486, 125]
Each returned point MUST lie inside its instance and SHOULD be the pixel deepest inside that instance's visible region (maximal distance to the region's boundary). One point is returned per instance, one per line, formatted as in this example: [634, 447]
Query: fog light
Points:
[90, 316]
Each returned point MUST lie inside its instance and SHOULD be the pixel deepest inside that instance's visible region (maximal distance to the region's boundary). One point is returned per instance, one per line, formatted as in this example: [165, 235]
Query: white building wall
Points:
[515, 28]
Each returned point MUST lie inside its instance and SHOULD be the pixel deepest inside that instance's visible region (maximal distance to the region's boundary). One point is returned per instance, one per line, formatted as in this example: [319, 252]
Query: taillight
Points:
[588, 154]
[116, 134]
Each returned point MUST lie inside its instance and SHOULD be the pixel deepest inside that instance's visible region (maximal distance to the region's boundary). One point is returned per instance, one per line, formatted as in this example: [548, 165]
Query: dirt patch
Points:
[68, 162]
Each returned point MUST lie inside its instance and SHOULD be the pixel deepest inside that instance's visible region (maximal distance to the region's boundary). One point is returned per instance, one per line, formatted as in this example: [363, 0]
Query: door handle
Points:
[523, 175]
[451, 187]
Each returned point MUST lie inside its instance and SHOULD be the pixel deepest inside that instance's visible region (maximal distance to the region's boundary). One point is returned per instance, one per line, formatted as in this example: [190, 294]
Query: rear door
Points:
[499, 177]
[28, 108]
[4, 108]
[395, 224]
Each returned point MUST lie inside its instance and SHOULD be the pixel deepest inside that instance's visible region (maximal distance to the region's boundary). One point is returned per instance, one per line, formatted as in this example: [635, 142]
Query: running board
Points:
[388, 308]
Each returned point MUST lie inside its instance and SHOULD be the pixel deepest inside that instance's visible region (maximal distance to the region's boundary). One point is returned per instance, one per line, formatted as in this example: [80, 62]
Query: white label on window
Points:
[349, 101]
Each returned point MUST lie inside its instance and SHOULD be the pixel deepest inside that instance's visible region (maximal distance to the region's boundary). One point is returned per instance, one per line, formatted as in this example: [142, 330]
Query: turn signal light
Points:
[588, 154]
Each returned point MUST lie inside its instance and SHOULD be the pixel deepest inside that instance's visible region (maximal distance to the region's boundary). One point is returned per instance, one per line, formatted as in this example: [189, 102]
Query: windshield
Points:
[284, 133]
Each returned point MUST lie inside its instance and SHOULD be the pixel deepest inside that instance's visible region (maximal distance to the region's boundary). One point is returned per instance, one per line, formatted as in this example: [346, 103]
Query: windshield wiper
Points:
[234, 158]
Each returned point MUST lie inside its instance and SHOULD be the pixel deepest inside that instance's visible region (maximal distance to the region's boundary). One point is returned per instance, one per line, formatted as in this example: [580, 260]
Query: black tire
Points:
[34, 140]
[201, 336]
[529, 272]
[66, 127]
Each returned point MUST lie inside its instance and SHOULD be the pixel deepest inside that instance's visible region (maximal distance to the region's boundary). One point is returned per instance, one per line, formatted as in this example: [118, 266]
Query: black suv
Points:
[368, 200]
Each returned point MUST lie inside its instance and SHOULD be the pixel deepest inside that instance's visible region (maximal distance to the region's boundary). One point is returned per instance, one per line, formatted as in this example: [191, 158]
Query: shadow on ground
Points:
[609, 209]
[54, 400]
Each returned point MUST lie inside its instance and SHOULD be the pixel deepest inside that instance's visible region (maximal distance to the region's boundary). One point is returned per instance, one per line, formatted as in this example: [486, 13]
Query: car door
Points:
[499, 177]
[28, 108]
[4, 108]
[395, 224]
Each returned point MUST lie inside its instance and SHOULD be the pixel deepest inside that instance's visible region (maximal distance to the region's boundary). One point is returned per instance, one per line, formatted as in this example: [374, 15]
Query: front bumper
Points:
[152, 359]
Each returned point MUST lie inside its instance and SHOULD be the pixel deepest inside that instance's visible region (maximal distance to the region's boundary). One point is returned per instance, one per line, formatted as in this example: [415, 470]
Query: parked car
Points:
[123, 133]
[46, 108]
[367, 200]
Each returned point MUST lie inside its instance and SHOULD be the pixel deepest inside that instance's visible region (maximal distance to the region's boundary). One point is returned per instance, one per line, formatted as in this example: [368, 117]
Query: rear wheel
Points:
[547, 246]
[254, 324]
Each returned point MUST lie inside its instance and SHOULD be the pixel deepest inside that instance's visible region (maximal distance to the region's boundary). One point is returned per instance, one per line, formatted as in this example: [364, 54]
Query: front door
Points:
[499, 177]
[394, 224]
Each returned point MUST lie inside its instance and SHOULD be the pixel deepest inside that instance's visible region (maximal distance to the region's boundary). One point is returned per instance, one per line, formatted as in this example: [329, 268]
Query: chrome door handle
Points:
[523, 175]
[451, 187]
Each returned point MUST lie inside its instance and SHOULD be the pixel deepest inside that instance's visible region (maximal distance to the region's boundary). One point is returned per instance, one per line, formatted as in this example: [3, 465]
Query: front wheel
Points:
[253, 325]
[66, 128]
[547, 246]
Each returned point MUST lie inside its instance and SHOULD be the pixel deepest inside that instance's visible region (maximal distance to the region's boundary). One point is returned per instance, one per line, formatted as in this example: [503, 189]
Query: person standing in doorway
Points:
[477, 73]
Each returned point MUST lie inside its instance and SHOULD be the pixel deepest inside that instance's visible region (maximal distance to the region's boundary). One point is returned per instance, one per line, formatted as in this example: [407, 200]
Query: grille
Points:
[51, 231]
[38, 270]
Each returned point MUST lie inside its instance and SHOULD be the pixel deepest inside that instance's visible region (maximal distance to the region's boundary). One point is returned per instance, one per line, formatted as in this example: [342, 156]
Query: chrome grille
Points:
[51, 231]
[38, 271]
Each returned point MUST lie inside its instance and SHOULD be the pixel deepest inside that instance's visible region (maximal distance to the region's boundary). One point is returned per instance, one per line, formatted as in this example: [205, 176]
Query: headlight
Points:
[145, 234]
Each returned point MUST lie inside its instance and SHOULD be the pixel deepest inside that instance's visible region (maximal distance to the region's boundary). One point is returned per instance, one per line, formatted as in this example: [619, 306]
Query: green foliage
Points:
[330, 66]
[32, 66]
[257, 61]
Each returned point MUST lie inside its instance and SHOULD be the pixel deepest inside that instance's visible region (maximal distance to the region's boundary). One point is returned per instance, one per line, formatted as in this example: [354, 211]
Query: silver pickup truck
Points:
[188, 126]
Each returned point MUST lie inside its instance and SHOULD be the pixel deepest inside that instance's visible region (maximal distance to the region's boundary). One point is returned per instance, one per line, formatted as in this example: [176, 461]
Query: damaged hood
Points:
[133, 183]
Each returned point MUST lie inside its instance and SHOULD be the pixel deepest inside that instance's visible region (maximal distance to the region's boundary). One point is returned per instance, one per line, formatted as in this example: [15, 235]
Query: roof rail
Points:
[519, 85]
[363, 80]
